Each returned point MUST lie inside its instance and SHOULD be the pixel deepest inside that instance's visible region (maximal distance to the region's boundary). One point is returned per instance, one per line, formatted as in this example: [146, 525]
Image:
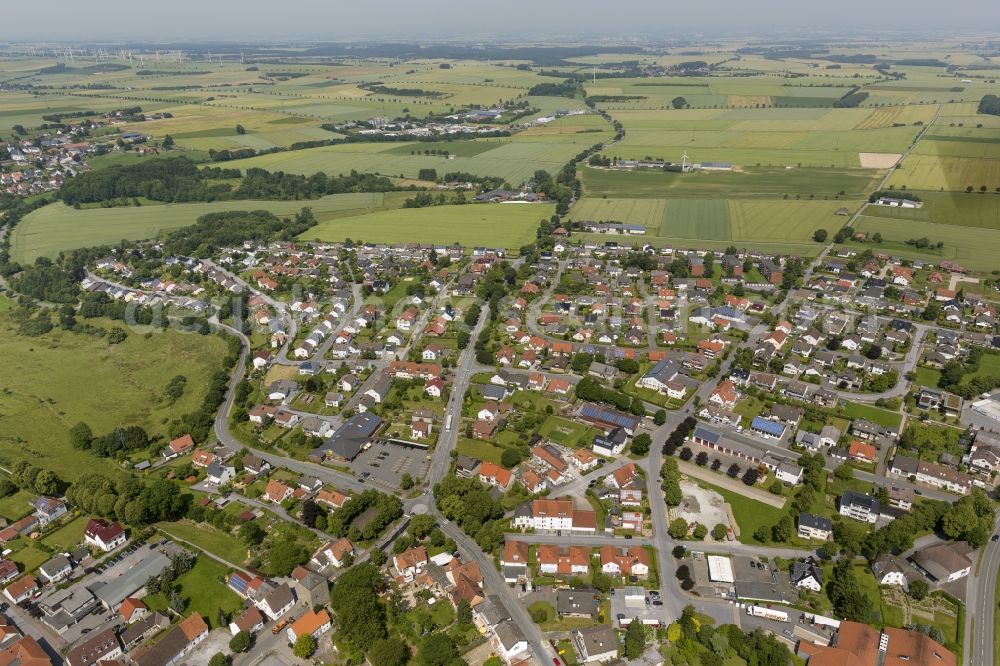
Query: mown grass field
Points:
[739, 220]
[949, 173]
[973, 247]
[56, 227]
[514, 159]
[494, 225]
[750, 183]
[48, 385]
[949, 208]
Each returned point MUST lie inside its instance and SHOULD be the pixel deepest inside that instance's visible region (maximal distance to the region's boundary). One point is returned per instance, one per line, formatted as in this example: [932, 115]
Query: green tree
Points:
[848, 597]
[218, 659]
[719, 532]
[80, 436]
[284, 556]
[241, 130]
[678, 528]
[820, 235]
[641, 444]
[390, 651]
[511, 457]
[660, 417]
[783, 530]
[304, 646]
[918, 589]
[438, 649]
[843, 472]
[464, 612]
[422, 525]
[958, 520]
[635, 640]
[168, 142]
[240, 642]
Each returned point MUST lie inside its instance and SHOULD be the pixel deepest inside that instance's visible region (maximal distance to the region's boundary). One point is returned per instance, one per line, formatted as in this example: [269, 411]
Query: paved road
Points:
[465, 368]
[981, 605]
[439, 467]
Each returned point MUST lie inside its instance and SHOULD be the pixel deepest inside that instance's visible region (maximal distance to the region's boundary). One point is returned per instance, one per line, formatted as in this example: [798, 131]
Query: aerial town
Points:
[276, 413]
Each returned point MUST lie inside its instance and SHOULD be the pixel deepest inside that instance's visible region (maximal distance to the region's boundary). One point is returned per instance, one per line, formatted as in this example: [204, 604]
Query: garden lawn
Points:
[30, 557]
[883, 417]
[15, 506]
[567, 433]
[67, 536]
[207, 538]
[204, 590]
[479, 449]
[927, 377]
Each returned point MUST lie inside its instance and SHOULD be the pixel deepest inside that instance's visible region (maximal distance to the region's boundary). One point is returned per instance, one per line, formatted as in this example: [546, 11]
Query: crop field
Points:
[746, 221]
[648, 212]
[768, 137]
[962, 209]
[494, 225]
[934, 172]
[974, 247]
[706, 219]
[980, 147]
[47, 387]
[753, 182]
[513, 159]
[56, 227]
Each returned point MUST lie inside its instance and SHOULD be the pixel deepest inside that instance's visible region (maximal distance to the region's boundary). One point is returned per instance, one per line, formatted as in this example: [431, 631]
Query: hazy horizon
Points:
[231, 20]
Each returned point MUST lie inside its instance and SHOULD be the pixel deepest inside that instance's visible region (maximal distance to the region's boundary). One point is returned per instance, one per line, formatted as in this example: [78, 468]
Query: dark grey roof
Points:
[579, 602]
[346, 442]
[815, 522]
[851, 498]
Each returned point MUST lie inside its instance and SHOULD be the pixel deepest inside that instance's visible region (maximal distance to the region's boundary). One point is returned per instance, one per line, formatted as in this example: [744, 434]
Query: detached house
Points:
[101, 534]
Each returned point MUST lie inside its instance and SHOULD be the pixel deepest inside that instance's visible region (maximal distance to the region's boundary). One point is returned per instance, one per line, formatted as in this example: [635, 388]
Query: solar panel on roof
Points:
[608, 416]
[765, 425]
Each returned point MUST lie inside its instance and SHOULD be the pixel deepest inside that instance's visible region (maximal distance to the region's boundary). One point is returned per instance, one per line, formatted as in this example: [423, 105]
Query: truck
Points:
[768, 613]
[447, 422]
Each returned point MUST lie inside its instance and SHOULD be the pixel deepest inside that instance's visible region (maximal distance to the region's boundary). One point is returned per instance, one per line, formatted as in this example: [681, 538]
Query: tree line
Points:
[178, 179]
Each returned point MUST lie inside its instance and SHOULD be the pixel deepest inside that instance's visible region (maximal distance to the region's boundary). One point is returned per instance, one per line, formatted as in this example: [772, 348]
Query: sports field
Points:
[494, 225]
[56, 227]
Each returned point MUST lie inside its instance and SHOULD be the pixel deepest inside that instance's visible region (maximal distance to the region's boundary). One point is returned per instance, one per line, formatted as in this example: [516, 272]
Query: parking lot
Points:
[644, 609]
[385, 462]
[108, 569]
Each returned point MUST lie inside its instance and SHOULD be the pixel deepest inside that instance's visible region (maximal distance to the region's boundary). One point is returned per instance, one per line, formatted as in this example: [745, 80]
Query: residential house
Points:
[101, 534]
[815, 527]
[178, 642]
[859, 507]
[277, 602]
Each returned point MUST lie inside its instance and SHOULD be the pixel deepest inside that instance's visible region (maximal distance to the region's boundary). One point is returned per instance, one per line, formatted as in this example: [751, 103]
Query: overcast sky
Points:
[162, 20]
